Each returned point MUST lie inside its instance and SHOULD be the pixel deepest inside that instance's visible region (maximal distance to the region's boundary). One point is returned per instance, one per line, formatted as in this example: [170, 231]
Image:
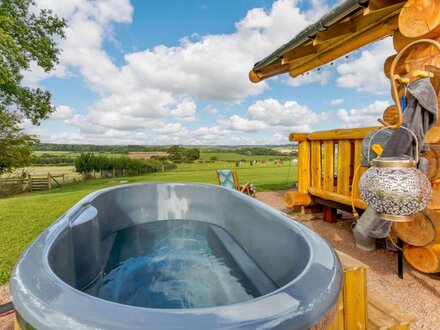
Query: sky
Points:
[176, 72]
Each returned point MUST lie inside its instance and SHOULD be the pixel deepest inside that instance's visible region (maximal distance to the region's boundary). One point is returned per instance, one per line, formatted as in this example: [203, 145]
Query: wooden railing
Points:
[327, 162]
[15, 185]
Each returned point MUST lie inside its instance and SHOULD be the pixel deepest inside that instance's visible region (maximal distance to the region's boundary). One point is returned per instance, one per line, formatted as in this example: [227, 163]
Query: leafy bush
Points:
[179, 154]
[87, 163]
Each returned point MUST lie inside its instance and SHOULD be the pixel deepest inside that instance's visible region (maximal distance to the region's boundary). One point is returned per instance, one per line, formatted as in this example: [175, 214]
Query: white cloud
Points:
[62, 112]
[212, 111]
[365, 73]
[317, 76]
[272, 115]
[141, 100]
[336, 101]
[363, 117]
[185, 110]
[174, 129]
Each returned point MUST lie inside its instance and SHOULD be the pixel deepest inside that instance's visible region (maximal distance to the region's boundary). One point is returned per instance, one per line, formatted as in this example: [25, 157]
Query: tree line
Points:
[88, 162]
[117, 149]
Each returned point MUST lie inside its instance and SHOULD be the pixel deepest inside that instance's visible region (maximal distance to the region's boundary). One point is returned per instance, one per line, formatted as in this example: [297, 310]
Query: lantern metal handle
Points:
[381, 129]
[394, 77]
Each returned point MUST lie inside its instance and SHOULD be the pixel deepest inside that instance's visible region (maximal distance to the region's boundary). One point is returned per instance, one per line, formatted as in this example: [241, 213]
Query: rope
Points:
[288, 170]
[392, 241]
[353, 209]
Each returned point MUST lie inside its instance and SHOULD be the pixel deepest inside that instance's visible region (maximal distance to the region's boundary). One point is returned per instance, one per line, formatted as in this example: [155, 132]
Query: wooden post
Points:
[344, 158]
[316, 164]
[304, 166]
[328, 165]
[49, 181]
[329, 214]
[354, 292]
[30, 182]
[356, 164]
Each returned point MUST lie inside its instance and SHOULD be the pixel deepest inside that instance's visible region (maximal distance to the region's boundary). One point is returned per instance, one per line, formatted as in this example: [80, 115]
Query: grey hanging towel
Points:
[420, 115]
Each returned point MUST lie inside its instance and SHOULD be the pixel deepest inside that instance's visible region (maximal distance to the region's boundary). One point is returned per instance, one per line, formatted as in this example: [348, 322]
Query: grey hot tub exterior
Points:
[69, 256]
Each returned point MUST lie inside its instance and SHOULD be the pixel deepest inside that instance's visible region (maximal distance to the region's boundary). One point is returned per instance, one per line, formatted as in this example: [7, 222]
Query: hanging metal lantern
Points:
[395, 188]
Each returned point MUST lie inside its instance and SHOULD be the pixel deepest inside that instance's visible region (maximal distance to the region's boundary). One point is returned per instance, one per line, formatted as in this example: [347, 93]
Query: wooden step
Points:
[359, 309]
[382, 314]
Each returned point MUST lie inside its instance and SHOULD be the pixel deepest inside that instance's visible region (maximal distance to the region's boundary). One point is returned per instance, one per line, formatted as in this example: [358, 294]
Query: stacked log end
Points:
[422, 231]
[425, 259]
[419, 17]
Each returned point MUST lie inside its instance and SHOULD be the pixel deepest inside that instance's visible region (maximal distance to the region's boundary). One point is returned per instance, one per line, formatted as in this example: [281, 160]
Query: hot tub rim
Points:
[63, 221]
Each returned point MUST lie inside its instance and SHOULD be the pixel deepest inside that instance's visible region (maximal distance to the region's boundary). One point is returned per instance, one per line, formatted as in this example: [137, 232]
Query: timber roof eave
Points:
[347, 22]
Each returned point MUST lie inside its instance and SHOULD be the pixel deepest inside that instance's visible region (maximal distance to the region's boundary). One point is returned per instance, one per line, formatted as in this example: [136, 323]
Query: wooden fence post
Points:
[49, 181]
[30, 182]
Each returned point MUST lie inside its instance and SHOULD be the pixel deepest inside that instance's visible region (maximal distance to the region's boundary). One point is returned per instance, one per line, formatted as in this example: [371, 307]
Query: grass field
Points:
[68, 171]
[24, 217]
[234, 156]
[73, 154]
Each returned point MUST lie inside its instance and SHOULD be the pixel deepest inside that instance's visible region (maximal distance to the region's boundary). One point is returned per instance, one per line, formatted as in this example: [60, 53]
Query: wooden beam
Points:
[296, 198]
[358, 203]
[297, 137]
[376, 5]
[298, 53]
[336, 134]
[361, 38]
[371, 18]
[335, 31]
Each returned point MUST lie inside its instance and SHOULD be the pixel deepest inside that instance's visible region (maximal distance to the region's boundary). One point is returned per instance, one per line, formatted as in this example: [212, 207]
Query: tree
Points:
[15, 146]
[26, 37]
[192, 154]
[176, 153]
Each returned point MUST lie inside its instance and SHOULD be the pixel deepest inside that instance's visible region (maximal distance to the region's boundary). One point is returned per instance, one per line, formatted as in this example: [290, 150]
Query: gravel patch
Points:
[417, 293]
[7, 322]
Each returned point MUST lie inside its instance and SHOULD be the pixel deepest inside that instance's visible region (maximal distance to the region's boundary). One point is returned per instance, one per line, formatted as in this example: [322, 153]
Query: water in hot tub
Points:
[180, 264]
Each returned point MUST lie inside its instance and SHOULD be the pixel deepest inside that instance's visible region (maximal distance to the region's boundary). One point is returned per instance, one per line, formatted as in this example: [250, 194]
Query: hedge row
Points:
[89, 162]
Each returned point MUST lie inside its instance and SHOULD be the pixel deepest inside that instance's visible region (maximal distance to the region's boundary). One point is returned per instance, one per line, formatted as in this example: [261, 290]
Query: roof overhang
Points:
[347, 27]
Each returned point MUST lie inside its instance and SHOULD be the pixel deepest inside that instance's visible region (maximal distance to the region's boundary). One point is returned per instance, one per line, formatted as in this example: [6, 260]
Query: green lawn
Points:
[235, 156]
[24, 217]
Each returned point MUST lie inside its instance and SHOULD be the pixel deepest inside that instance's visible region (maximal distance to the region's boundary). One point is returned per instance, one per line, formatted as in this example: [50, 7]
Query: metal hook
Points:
[381, 129]
[418, 73]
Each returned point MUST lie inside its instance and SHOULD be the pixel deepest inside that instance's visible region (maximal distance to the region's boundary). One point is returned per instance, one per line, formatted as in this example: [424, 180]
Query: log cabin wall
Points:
[327, 160]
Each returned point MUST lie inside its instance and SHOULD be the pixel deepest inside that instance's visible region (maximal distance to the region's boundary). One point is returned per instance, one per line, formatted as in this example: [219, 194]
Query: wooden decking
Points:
[359, 308]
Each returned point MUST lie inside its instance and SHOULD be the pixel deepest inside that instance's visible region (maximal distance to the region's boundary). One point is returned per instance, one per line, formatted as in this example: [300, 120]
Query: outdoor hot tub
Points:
[175, 255]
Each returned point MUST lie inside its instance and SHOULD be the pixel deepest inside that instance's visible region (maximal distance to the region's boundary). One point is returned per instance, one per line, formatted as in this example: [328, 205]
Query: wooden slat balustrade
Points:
[327, 162]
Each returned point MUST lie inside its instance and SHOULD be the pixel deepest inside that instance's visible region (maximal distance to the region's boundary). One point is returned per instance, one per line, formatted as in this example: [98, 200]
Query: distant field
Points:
[68, 171]
[72, 153]
[203, 155]
[235, 156]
